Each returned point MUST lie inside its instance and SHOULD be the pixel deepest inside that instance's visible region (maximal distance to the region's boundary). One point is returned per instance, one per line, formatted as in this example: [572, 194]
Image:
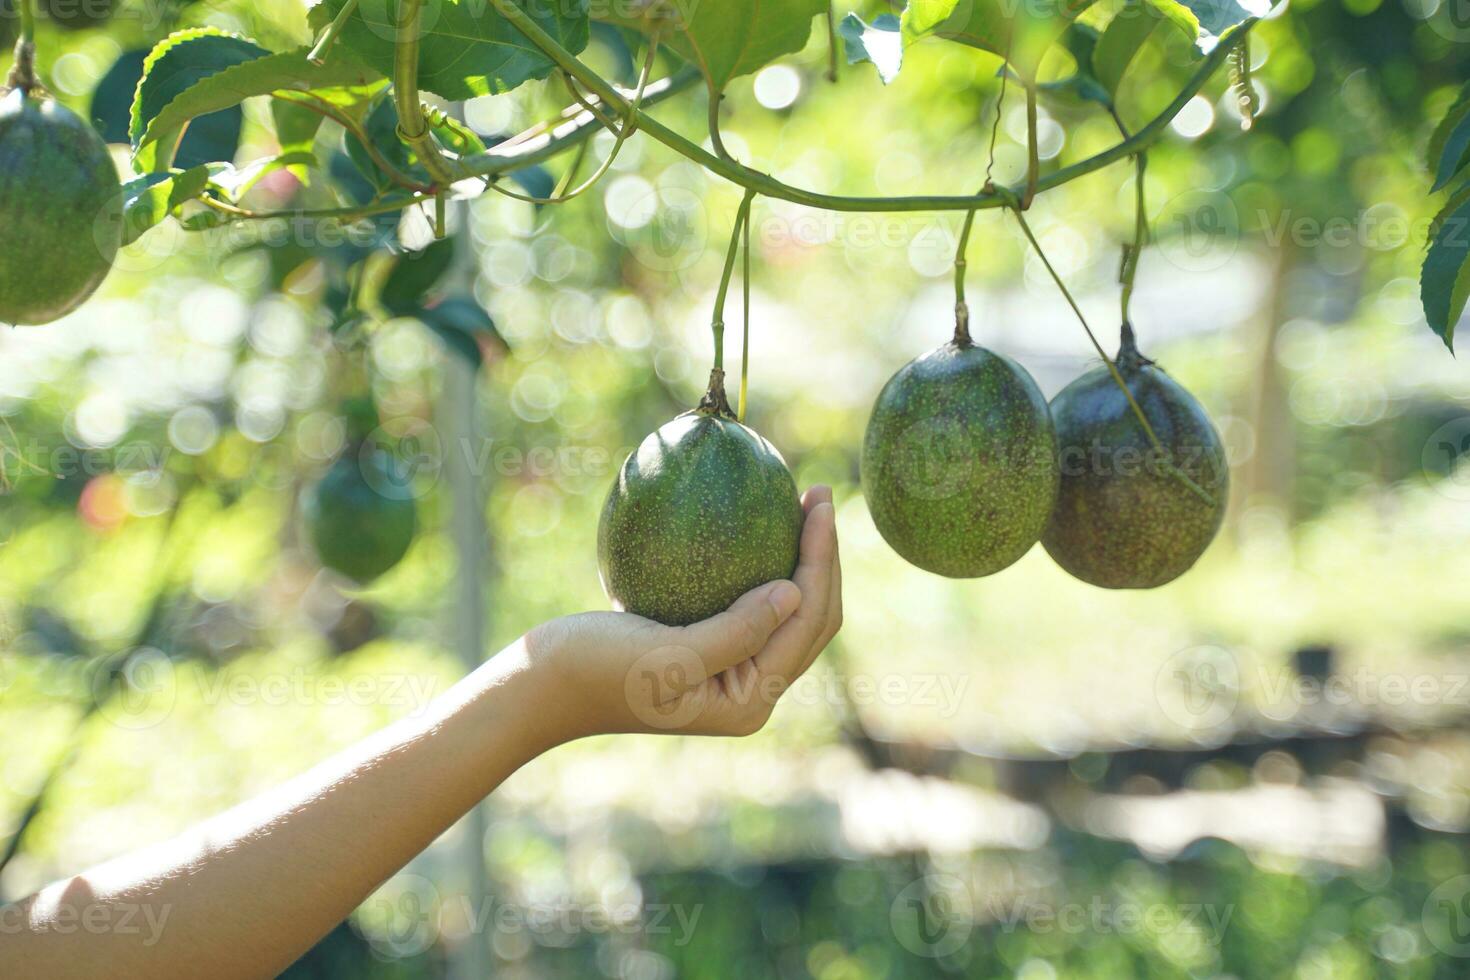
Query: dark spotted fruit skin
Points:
[1123, 519]
[60, 210]
[959, 463]
[702, 512]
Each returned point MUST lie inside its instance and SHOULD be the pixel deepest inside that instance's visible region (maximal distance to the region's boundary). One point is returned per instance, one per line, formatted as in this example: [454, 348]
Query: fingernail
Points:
[785, 597]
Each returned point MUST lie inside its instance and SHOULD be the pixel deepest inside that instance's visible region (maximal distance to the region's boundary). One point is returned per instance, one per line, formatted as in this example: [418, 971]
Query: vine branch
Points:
[413, 126]
[768, 186]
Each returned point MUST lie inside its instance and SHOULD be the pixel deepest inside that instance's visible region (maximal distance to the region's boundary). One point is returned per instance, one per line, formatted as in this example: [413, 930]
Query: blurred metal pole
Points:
[458, 418]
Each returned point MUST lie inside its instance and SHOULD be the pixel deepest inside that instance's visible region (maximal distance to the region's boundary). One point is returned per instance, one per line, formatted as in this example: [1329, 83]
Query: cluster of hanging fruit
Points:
[965, 466]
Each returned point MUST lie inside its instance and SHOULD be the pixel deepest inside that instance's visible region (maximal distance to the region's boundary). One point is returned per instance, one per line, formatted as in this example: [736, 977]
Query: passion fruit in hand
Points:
[702, 512]
[60, 209]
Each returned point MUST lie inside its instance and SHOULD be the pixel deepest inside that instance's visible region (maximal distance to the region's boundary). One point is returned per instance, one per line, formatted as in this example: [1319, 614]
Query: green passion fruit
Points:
[1128, 516]
[360, 516]
[959, 464]
[61, 207]
[702, 512]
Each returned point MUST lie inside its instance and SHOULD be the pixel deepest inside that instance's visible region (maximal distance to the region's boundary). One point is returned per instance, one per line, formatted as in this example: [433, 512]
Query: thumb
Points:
[741, 631]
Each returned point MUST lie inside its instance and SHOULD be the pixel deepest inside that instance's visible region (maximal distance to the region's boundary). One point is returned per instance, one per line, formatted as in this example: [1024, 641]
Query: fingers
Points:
[743, 630]
[798, 641]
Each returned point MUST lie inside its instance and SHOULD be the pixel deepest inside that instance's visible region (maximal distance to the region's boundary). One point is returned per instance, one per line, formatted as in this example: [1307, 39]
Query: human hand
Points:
[616, 672]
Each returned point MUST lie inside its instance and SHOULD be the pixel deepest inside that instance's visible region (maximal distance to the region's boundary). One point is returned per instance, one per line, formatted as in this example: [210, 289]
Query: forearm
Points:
[249, 891]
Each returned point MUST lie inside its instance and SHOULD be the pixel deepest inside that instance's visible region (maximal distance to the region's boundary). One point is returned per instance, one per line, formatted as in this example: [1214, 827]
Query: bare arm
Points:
[246, 893]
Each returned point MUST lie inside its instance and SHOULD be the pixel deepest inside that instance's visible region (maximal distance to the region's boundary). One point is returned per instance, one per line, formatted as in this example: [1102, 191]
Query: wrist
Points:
[518, 692]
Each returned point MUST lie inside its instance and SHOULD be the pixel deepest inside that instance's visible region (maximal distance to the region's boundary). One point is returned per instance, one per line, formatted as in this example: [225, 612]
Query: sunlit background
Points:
[1261, 770]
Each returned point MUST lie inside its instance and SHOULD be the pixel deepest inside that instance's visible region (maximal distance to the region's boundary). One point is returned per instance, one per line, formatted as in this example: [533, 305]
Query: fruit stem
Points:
[715, 401]
[1118, 380]
[1033, 149]
[717, 324]
[745, 310]
[23, 72]
[961, 308]
[318, 54]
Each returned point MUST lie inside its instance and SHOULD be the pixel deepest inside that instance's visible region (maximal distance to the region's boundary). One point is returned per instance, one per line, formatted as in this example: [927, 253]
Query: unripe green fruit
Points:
[959, 463]
[60, 209]
[704, 511]
[1125, 519]
[361, 517]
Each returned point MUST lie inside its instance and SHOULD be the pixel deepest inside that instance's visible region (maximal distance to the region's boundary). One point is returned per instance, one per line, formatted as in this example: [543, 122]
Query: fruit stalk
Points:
[717, 323]
[962, 308]
[745, 315]
[1131, 253]
[23, 72]
[1033, 149]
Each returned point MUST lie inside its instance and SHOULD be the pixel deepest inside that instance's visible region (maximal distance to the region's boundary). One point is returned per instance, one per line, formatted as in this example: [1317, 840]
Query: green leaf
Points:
[1123, 38]
[1020, 32]
[147, 200]
[464, 327]
[203, 70]
[1449, 147]
[726, 38]
[880, 42]
[296, 129]
[413, 275]
[1207, 21]
[1081, 41]
[466, 48]
[1445, 282]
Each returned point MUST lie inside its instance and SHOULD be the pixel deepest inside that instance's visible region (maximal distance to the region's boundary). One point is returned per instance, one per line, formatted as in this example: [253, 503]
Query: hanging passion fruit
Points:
[61, 202]
[1131, 515]
[702, 512]
[959, 463]
[361, 516]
